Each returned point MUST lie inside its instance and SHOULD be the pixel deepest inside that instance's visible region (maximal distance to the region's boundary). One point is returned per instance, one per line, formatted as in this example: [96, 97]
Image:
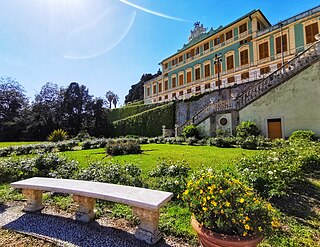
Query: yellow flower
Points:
[205, 209]
[201, 191]
[275, 224]
[245, 234]
[260, 229]
[241, 200]
[222, 211]
[228, 204]
[247, 227]
[208, 198]
[247, 218]
[221, 191]
[214, 203]
[186, 192]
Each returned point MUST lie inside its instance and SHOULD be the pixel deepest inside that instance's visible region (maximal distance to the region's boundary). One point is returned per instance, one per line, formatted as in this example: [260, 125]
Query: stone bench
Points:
[145, 203]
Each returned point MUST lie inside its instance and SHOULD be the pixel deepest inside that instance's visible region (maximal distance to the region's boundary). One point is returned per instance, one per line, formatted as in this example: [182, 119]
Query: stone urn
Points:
[208, 238]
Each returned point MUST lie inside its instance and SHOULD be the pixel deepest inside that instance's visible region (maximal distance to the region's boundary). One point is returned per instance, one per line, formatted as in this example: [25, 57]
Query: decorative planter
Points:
[208, 238]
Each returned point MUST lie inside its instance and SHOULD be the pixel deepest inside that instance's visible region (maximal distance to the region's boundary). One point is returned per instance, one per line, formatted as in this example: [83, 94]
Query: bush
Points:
[302, 135]
[221, 142]
[128, 174]
[191, 141]
[170, 177]
[224, 204]
[122, 147]
[246, 129]
[57, 135]
[148, 123]
[255, 142]
[190, 131]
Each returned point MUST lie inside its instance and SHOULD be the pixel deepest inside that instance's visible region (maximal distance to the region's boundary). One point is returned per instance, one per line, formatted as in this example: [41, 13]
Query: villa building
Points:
[246, 50]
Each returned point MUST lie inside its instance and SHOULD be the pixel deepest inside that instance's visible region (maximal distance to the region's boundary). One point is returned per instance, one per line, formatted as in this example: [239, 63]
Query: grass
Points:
[299, 210]
[8, 144]
[152, 154]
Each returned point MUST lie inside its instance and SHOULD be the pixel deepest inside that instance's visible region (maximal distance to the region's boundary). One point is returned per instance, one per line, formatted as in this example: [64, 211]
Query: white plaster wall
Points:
[297, 102]
[204, 128]
[228, 126]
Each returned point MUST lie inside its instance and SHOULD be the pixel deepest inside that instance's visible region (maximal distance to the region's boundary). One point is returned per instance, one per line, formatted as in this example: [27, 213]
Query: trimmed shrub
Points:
[191, 141]
[255, 142]
[190, 131]
[122, 147]
[148, 123]
[302, 135]
[128, 174]
[57, 135]
[246, 129]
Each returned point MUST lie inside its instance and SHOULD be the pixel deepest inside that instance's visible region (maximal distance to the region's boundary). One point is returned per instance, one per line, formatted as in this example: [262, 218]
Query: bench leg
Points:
[34, 200]
[85, 210]
[148, 230]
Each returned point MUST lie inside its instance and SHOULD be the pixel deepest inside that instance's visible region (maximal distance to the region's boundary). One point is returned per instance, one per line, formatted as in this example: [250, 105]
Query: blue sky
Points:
[108, 44]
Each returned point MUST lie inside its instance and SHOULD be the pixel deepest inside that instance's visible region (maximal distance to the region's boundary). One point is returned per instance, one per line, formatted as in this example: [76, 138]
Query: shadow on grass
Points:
[66, 230]
[302, 202]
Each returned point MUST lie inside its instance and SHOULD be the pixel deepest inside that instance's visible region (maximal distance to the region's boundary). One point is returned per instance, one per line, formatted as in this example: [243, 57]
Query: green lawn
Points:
[152, 154]
[8, 144]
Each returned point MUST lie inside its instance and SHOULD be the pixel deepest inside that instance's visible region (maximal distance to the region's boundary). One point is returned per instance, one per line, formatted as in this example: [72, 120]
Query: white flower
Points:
[270, 172]
[210, 170]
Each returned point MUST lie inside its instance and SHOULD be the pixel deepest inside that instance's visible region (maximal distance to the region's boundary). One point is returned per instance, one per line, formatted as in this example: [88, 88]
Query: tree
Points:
[13, 109]
[77, 107]
[112, 98]
[136, 92]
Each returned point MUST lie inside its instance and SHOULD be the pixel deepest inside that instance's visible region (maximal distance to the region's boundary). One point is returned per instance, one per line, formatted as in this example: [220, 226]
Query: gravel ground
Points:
[59, 228]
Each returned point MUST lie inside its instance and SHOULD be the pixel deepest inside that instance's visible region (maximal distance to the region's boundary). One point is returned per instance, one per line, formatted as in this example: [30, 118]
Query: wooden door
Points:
[274, 128]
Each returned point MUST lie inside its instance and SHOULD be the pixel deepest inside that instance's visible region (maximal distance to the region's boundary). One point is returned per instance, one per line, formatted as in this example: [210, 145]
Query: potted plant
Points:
[226, 212]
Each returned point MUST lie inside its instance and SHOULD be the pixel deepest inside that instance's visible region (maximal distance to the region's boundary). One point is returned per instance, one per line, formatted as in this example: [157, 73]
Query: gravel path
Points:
[61, 229]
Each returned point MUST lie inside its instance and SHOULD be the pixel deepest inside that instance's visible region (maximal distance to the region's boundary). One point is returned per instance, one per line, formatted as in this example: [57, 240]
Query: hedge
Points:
[127, 111]
[147, 123]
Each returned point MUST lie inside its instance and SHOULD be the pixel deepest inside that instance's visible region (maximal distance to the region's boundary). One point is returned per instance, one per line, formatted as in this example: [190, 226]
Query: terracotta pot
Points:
[208, 238]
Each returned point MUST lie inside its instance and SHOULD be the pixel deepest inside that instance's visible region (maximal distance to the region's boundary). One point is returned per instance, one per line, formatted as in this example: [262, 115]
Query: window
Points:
[189, 90]
[207, 86]
[217, 69]
[174, 61]
[231, 79]
[206, 46]
[166, 85]
[165, 65]
[174, 82]
[160, 87]
[218, 82]
[180, 59]
[258, 26]
[180, 80]
[174, 95]
[197, 73]
[263, 50]
[198, 88]
[180, 93]
[264, 70]
[244, 75]
[243, 28]
[284, 44]
[310, 31]
[244, 57]
[166, 96]
[160, 98]
[229, 35]
[216, 41]
[148, 91]
[188, 76]
[230, 64]
[207, 70]
[197, 50]
[221, 38]
[223, 121]
[154, 89]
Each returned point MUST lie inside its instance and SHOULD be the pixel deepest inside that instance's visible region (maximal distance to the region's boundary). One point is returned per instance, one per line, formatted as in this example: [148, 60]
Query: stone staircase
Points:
[299, 63]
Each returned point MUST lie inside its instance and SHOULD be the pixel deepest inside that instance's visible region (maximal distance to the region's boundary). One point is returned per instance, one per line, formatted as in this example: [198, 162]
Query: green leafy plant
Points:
[246, 129]
[57, 135]
[302, 135]
[170, 176]
[122, 147]
[190, 131]
[224, 204]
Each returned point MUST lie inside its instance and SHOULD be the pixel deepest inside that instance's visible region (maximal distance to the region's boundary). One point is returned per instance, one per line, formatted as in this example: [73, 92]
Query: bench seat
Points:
[146, 203]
